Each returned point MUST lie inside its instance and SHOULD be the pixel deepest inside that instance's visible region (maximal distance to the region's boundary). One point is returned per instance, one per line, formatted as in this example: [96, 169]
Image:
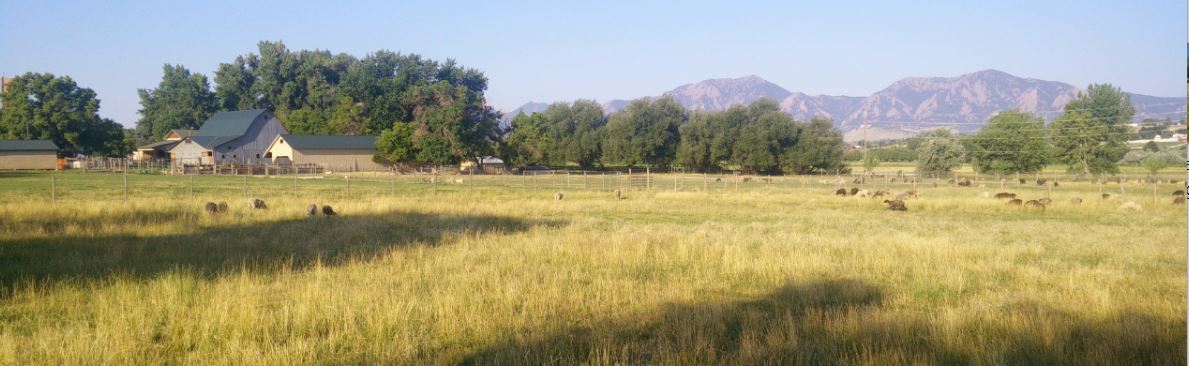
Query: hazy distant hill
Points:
[964, 102]
[528, 108]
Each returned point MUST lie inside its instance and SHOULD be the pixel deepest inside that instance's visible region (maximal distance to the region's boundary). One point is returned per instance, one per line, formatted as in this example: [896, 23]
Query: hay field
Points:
[495, 271]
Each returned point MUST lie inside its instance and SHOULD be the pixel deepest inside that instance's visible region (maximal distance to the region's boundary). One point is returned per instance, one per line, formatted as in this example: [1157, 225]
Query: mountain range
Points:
[905, 107]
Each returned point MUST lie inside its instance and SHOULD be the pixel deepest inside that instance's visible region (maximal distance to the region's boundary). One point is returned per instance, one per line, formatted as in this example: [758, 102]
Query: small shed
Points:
[28, 154]
[492, 165]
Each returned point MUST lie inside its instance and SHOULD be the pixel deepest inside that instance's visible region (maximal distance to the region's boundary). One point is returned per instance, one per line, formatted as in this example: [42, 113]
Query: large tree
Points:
[181, 100]
[818, 150]
[437, 109]
[46, 107]
[1012, 142]
[938, 152]
[644, 133]
[574, 132]
[762, 142]
[1091, 135]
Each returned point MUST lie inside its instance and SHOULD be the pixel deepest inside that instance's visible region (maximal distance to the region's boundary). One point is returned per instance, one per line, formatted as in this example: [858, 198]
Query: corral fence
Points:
[108, 180]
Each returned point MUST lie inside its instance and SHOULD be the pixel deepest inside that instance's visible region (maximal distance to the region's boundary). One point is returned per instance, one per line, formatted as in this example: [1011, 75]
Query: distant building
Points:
[492, 165]
[160, 149]
[334, 153]
[28, 154]
[240, 137]
[4, 81]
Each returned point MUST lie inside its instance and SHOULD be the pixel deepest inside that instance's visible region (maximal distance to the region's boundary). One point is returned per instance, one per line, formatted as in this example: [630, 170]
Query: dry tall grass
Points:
[773, 274]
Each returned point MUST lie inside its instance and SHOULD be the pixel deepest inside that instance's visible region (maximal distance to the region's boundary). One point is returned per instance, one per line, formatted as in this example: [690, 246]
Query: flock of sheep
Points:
[897, 204]
[212, 208]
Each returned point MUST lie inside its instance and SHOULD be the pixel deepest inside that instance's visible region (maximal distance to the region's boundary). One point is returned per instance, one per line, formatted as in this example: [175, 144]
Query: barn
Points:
[334, 153]
[239, 137]
[28, 154]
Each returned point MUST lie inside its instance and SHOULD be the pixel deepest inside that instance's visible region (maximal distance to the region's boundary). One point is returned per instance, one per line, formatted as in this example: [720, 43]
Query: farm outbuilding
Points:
[335, 153]
[160, 149]
[28, 154]
[239, 137]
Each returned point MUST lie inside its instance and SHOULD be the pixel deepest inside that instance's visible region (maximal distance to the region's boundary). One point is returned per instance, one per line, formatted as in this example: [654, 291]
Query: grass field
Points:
[495, 271]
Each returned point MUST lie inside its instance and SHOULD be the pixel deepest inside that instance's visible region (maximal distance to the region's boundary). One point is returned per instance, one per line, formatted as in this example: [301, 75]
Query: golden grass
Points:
[767, 274]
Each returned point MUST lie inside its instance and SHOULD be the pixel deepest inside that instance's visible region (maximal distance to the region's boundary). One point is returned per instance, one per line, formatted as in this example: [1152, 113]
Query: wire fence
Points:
[64, 188]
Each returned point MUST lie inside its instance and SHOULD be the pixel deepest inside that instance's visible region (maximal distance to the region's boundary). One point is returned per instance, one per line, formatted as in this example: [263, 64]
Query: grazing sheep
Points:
[854, 191]
[863, 193]
[1015, 202]
[1178, 193]
[858, 181]
[558, 196]
[328, 211]
[1034, 204]
[964, 183]
[222, 206]
[211, 208]
[1131, 206]
[880, 193]
[1075, 200]
[1178, 201]
[1046, 201]
[1055, 184]
[1004, 195]
[457, 181]
[986, 194]
[1041, 181]
[895, 205]
[1106, 196]
[618, 194]
[256, 203]
[716, 180]
[840, 192]
[1022, 181]
[312, 210]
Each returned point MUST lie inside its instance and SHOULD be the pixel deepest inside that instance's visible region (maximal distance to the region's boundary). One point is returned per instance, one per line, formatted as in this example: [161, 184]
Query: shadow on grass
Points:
[843, 322]
[259, 247]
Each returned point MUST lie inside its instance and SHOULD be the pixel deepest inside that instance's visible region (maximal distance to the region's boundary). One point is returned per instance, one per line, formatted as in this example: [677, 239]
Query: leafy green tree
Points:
[644, 133]
[182, 100]
[1151, 146]
[870, 162]
[939, 152]
[761, 143]
[694, 150]
[1154, 163]
[45, 107]
[1091, 135]
[1012, 142]
[528, 142]
[818, 149]
[573, 132]
[396, 145]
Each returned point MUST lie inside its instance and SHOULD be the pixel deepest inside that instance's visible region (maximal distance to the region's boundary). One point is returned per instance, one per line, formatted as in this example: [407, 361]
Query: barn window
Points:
[258, 156]
[222, 156]
[233, 156]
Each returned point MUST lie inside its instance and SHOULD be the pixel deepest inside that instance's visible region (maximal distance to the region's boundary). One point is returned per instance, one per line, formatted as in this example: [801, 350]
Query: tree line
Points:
[1089, 137]
[757, 138]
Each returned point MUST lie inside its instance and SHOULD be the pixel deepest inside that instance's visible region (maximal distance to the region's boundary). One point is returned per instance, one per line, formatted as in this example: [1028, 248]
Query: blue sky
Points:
[548, 51]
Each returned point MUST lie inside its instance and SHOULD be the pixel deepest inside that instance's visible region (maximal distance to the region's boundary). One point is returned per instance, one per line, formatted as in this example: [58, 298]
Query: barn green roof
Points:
[229, 124]
[27, 145]
[329, 142]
